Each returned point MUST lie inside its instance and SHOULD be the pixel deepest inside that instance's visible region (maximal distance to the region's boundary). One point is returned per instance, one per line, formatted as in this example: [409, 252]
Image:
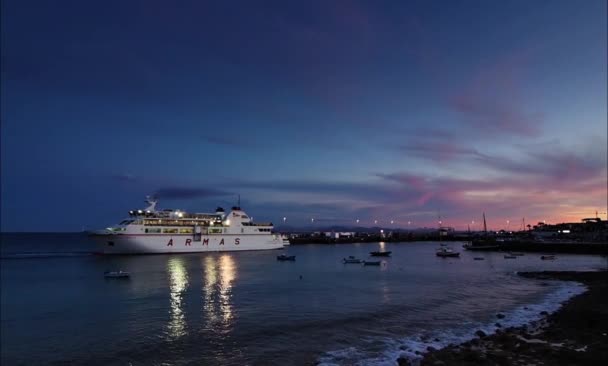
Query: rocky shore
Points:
[576, 334]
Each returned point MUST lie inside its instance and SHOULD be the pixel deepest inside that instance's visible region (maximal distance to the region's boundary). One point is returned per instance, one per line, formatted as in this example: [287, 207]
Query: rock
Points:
[431, 349]
[436, 339]
[500, 315]
[480, 333]
[402, 361]
[498, 325]
[417, 352]
[544, 313]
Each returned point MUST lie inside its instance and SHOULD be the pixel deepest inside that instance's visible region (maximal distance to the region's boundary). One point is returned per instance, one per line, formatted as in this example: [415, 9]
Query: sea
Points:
[247, 308]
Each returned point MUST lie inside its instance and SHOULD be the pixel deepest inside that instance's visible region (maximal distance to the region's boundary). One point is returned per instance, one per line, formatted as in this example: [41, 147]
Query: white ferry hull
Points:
[159, 243]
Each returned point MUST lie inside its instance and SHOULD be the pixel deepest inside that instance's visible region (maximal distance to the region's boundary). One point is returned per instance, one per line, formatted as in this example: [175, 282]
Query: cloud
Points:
[492, 101]
[183, 193]
[438, 150]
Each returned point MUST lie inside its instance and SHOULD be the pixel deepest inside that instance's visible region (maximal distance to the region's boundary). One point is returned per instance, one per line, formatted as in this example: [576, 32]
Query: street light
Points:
[392, 221]
[375, 221]
[284, 219]
[357, 221]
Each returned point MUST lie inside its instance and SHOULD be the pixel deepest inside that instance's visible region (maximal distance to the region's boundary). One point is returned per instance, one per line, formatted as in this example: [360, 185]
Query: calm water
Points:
[247, 308]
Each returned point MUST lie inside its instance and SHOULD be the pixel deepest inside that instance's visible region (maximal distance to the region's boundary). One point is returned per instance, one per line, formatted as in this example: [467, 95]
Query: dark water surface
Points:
[247, 308]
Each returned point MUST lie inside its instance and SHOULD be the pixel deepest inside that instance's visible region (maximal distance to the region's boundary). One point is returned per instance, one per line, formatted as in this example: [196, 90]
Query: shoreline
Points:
[575, 334]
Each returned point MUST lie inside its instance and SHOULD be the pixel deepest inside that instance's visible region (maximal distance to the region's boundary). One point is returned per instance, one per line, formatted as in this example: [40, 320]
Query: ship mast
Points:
[485, 228]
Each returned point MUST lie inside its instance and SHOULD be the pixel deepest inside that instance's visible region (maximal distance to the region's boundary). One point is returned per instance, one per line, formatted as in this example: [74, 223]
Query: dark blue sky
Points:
[338, 110]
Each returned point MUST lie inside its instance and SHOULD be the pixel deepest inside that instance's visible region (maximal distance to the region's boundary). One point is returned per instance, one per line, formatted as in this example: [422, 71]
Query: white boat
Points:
[351, 260]
[445, 252]
[175, 231]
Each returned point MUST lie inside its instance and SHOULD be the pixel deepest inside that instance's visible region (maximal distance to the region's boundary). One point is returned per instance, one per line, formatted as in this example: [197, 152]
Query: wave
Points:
[30, 255]
[414, 347]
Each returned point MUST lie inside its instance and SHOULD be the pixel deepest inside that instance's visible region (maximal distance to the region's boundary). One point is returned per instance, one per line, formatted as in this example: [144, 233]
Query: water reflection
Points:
[218, 276]
[178, 282]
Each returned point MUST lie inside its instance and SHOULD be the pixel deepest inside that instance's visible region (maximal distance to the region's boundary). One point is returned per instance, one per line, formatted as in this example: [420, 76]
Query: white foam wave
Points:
[414, 347]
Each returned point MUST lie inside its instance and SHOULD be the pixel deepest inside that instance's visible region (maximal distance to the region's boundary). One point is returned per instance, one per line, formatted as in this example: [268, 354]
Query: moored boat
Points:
[380, 254]
[284, 257]
[371, 263]
[445, 252]
[351, 260]
[547, 257]
[116, 274]
[478, 258]
[509, 256]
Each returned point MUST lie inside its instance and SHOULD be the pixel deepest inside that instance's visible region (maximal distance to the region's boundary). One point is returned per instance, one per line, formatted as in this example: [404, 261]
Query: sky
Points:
[337, 111]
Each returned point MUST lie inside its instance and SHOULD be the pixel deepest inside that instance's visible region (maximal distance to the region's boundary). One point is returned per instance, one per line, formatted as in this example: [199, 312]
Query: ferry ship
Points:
[174, 231]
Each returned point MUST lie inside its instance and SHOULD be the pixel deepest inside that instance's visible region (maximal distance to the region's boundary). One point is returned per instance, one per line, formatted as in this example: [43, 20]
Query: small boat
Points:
[371, 263]
[351, 259]
[478, 258]
[510, 256]
[116, 274]
[517, 254]
[446, 253]
[284, 257]
[547, 257]
[380, 254]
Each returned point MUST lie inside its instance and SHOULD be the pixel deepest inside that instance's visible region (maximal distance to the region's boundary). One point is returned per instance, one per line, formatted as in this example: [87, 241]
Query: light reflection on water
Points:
[178, 283]
[249, 309]
[218, 276]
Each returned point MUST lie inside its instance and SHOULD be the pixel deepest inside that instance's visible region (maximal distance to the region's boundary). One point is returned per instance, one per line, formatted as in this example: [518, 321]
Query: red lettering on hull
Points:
[205, 241]
[170, 243]
[188, 241]
[237, 241]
